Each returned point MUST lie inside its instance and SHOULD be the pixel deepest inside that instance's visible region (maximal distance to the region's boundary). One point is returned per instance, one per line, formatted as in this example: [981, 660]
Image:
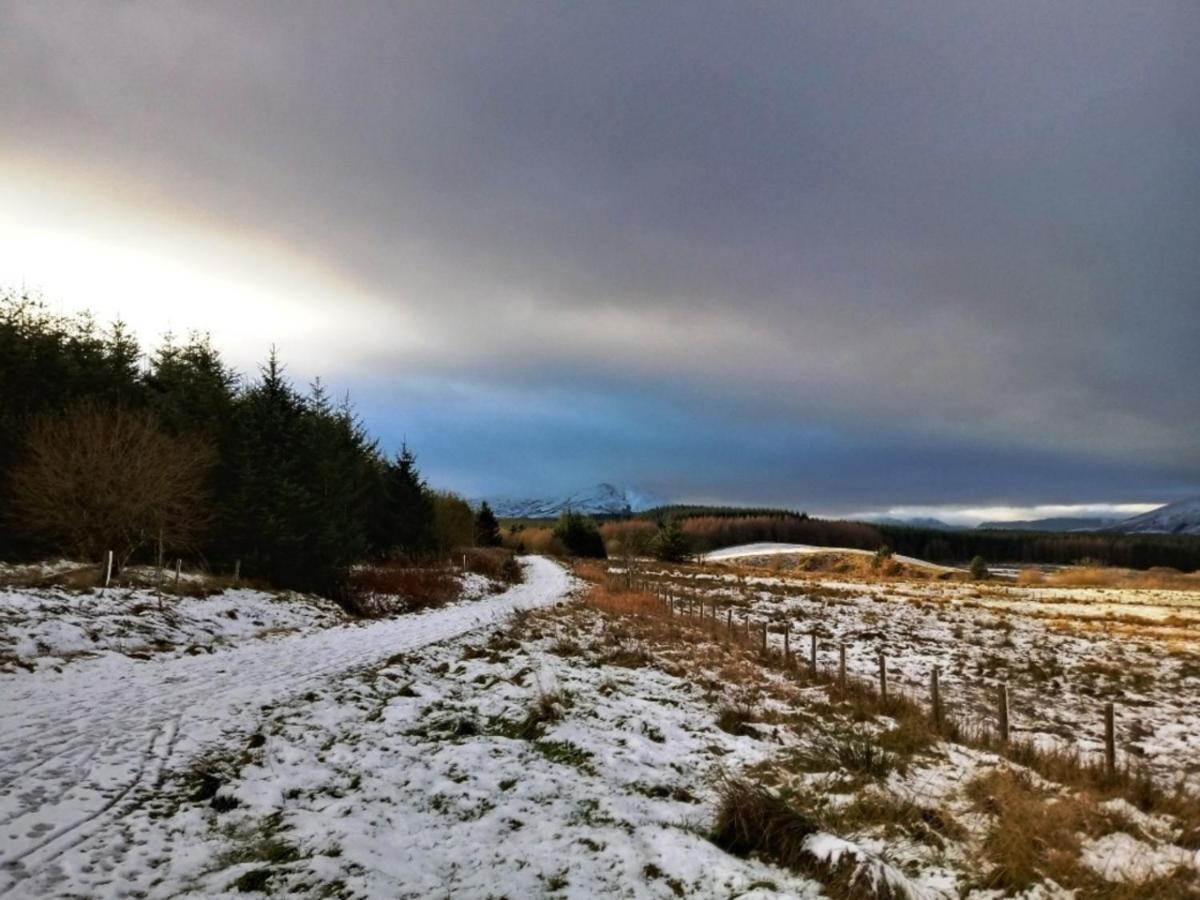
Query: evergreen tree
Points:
[671, 544]
[403, 516]
[580, 535]
[487, 529]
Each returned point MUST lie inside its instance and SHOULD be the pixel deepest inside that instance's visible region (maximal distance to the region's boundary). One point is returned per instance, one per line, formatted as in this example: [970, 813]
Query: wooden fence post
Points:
[935, 692]
[787, 649]
[237, 571]
[1003, 702]
[178, 570]
[842, 667]
[108, 569]
[812, 656]
[1110, 738]
[729, 620]
[883, 677]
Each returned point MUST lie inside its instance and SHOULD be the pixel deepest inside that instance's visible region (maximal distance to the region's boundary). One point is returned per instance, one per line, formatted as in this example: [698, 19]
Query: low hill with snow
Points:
[1174, 518]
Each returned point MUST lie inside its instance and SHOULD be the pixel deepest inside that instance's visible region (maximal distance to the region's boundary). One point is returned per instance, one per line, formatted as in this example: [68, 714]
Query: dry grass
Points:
[1030, 577]
[400, 587]
[497, 563]
[914, 729]
[1160, 578]
[533, 540]
[1034, 836]
[752, 821]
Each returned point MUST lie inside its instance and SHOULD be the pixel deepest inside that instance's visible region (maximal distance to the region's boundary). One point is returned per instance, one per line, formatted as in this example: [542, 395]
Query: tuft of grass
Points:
[737, 719]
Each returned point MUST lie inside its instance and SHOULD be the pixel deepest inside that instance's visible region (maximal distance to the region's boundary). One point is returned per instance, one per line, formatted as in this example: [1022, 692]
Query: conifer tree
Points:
[487, 529]
[671, 544]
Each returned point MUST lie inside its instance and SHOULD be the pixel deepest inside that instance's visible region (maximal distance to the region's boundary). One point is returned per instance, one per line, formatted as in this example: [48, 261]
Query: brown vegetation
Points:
[400, 586]
[94, 479]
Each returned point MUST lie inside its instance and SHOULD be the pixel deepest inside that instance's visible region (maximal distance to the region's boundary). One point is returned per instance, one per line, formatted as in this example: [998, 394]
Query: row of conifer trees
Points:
[287, 483]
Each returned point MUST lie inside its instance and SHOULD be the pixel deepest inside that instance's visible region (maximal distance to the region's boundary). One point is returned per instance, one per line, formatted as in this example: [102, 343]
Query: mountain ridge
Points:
[602, 499]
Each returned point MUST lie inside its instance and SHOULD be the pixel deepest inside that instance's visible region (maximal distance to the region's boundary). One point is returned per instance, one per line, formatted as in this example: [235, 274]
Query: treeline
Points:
[708, 528]
[709, 532]
[176, 453]
[688, 511]
[1132, 551]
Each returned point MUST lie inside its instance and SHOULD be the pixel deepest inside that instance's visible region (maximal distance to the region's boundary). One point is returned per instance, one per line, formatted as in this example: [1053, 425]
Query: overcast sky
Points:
[840, 256]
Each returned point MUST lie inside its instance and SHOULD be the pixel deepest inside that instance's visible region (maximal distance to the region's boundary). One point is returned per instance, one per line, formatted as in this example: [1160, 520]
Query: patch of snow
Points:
[81, 748]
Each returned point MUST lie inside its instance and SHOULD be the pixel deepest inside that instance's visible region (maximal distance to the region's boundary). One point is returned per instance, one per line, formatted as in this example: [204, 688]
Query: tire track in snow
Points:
[136, 719]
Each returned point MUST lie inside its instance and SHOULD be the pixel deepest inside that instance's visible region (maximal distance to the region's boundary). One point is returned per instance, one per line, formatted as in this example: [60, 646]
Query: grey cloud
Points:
[968, 224]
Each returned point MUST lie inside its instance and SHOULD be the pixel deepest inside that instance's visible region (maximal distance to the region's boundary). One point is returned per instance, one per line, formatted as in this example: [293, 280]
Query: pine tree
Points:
[580, 535]
[403, 515]
[487, 529]
[671, 544]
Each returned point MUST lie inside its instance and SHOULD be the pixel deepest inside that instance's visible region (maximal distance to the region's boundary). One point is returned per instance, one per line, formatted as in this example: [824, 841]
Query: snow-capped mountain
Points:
[601, 500]
[1174, 518]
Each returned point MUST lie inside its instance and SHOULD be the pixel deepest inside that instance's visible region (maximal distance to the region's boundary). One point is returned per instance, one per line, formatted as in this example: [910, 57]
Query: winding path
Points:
[78, 748]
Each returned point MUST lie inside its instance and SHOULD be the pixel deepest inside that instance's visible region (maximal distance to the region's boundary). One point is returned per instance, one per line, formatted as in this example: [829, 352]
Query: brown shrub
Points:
[391, 587]
[1030, 576]
[533, 540]
[493, 562]
[96, 479]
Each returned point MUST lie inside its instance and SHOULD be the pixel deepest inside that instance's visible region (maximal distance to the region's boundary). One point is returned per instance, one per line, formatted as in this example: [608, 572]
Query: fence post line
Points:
[935, 692]
[842, 667]
[1110, 738]
[883, 695]
[1004, 712]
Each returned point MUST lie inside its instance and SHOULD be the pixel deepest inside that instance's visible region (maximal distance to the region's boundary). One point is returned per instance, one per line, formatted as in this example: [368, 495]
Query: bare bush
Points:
[94, 479]
[400, 586]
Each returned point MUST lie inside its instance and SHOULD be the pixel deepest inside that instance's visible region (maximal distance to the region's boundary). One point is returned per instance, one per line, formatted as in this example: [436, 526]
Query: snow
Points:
[1062, 652]
[1174, 518]
[768, 548]
[80, 748]
[52, 626]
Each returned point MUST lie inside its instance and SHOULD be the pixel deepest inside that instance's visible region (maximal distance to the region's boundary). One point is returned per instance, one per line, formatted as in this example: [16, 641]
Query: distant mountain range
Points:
[1062, 523]
[1174, 518]
[603, 499]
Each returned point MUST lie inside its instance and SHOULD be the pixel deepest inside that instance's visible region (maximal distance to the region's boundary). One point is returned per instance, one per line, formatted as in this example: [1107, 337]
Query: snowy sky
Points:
[837, 256]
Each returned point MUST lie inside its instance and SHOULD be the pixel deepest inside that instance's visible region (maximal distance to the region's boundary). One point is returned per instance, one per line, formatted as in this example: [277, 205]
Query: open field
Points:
[1062, 652]
[610, 741]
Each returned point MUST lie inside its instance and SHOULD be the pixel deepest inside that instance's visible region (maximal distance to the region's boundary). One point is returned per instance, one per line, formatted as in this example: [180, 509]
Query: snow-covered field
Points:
[576, 751]
[82, 749]
[1062, 652]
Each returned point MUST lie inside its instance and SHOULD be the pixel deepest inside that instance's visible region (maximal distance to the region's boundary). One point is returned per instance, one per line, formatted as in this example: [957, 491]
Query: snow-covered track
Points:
[81, 747]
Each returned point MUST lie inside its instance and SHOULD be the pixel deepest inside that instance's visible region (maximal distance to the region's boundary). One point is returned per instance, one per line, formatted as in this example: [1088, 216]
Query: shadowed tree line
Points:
[709, 528]
[104, 449]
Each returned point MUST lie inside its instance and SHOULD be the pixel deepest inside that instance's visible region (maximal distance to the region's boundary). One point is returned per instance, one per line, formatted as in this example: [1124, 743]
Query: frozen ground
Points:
[1063, 652]
[52, 626]
[81, 749]
[517, 766]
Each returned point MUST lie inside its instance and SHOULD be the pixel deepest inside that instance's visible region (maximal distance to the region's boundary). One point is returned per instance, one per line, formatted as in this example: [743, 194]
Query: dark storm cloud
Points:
[893, 253]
